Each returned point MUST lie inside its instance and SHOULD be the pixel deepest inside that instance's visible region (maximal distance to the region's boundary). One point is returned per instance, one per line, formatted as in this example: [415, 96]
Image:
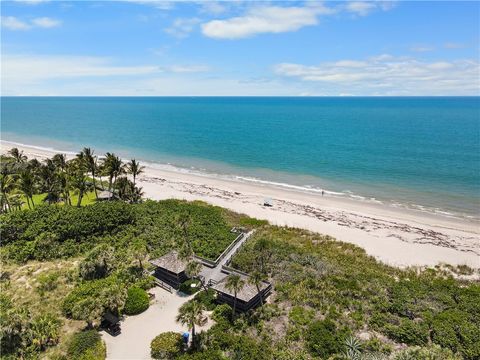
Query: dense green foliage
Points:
[166, 346]
[22, 335]
[207, 298]
[89, 301]
[48, 232]
[137, 301]
[326, 293]
[86, 345]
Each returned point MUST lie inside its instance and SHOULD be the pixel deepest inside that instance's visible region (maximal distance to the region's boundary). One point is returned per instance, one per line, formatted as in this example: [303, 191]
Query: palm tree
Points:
[49, 177]
[7, 184]
[17, 155]
[234, 284]
[113, 167]
[16, 201]
[256, 279]
[26, 184]
[134, 168]
[124, 187]
[33, 166]
[263, 247]
[183, 221]
[139, 251]
[191, 314]
[79, 180]
[65, 186]
[137, 194]
[60, 161]
[91, 162]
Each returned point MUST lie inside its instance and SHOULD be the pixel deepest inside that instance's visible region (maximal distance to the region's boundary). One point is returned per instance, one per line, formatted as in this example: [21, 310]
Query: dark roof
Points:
[170, 262]
[111, 318]
[247, 293]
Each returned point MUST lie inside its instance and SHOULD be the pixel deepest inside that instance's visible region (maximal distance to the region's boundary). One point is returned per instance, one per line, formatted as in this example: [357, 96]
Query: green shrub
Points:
[146, 283]
[186, 286]
[137, 301]
[91, 299]
[453, 329]
[324, 339]
[47, 282]
[301, 316]
[423, 353]
[408, 332]
[252, 222]
[86, 345]
[98, 263]
[222, 312]
[207, 298]
[166, 346]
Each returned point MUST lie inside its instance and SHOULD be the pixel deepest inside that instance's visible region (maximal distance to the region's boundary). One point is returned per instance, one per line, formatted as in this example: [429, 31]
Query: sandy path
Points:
[138, 331]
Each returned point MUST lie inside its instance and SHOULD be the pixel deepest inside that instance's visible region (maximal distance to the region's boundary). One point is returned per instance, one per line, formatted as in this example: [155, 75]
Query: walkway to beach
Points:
[216, 272]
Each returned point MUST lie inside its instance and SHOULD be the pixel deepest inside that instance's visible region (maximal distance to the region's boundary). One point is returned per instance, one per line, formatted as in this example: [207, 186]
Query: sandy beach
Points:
[396, 236]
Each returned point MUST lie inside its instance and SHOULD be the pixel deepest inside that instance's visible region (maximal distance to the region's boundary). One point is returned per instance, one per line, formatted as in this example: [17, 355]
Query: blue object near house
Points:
[185, 337]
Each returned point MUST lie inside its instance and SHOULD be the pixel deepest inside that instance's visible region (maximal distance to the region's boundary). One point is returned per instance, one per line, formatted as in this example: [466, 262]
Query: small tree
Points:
[263, 248]
[88, 309]
[139, 252]
[191, 314]
[134, 168]
[166, 346]
[234, 284]
[256, 279]
[98, 263]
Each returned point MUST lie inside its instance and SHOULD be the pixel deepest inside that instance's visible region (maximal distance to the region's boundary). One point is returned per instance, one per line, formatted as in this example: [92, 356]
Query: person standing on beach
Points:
[323, 192]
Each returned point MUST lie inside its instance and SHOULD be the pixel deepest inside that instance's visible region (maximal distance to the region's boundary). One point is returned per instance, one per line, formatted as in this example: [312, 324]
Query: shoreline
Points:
[396, 236]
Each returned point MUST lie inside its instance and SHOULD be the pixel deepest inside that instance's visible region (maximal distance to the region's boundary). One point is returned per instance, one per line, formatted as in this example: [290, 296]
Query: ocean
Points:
[421, 153]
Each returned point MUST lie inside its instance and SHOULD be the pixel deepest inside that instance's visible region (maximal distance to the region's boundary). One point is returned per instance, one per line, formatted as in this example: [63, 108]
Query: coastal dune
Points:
[396, 236]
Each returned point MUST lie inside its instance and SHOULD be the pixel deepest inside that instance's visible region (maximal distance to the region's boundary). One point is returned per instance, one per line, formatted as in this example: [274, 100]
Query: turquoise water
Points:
[417, 152]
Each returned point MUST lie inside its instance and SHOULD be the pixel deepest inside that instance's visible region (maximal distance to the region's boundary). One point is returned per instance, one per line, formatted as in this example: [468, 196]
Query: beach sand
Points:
[396, 236]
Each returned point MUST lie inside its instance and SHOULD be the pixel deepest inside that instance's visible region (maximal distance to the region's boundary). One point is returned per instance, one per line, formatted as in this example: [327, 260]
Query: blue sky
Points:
[239, 48]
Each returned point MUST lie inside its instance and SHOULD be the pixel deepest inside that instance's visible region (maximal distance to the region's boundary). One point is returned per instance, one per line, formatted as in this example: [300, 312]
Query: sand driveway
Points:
[139, 330]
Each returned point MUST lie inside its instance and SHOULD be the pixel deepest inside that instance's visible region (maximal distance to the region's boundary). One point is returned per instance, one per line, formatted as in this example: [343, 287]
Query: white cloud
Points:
[46, 22]
[267, 19]
[20, 73]
[363, 8]
[212, 7]
[452, 45]
[13, 23]
[33, 68]
[182, 27]
[32, 2]
[159, 4]
[389, 75]
[188, 68]
[422, 48]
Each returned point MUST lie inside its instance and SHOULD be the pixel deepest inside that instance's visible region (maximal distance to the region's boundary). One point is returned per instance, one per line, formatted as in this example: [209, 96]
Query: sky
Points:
[239, 48]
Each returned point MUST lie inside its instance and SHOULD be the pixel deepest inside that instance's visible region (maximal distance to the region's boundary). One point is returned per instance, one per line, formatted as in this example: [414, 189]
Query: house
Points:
[170, 269]
[247, 298]
[105, 195]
